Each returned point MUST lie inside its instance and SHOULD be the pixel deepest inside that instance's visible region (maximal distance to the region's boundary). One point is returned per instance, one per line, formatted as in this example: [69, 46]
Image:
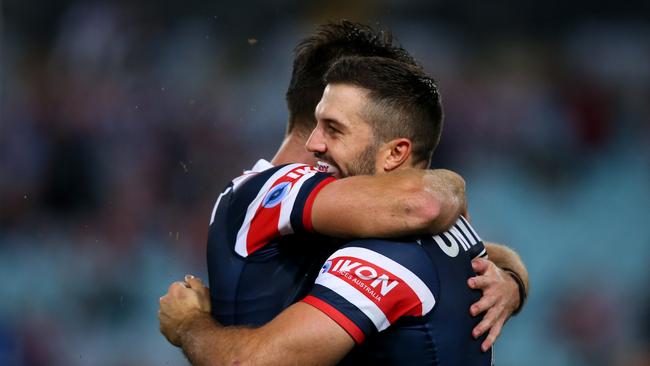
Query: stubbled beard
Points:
[364, 164]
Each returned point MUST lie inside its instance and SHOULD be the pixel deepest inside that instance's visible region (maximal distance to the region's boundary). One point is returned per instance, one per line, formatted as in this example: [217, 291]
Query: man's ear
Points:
[396, 153]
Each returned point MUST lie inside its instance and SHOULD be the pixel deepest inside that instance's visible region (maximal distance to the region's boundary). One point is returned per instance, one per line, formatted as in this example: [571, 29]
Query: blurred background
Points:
[121, 121]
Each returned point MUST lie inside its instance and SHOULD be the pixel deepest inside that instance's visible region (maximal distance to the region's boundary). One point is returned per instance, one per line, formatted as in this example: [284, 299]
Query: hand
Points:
[180, 304]
[500, 299]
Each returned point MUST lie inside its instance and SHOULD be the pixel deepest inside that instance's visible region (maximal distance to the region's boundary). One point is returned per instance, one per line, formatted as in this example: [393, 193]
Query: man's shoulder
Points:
[268, 202]
[264, 173]
[408, 249]
[374, 286]
[404, 257]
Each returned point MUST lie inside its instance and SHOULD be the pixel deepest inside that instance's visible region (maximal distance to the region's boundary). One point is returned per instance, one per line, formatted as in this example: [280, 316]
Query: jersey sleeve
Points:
[366, 288]
[281, 206]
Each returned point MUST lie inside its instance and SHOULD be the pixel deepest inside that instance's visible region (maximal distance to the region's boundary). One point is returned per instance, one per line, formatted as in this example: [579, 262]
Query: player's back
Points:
[419, 299]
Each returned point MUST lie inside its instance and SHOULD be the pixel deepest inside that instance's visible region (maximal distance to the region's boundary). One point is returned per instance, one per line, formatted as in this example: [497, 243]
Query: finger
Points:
[179, 285]
[492, 336]
[480, 265]
[177, 289]
[485, 303]
[484, 325]
[479, 282]
[197, 285]
[174, 286]
[194, 282]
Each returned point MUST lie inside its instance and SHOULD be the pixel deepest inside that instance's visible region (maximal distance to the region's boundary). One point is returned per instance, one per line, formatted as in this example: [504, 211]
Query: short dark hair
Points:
[404, 101]
[315, 54]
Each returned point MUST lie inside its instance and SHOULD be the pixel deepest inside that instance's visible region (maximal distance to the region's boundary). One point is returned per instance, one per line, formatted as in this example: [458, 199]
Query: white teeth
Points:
[326, 168]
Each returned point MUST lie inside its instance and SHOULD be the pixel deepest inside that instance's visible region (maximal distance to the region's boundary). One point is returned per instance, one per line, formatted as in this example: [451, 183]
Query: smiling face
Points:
[342, 137]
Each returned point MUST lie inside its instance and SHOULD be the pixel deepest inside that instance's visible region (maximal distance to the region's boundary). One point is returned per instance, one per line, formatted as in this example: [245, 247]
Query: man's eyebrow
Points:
[335, 123]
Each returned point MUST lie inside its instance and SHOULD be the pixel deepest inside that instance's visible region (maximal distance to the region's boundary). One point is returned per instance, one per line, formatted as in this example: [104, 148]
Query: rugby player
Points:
[257, 245]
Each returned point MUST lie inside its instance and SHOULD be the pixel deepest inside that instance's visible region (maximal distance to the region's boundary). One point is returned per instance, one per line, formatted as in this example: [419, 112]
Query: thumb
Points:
[194, 282]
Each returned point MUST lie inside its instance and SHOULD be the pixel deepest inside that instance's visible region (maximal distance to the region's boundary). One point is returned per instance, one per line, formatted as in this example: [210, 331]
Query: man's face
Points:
[342, 137]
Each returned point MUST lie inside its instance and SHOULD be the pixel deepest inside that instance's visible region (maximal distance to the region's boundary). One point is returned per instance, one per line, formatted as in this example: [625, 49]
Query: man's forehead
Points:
[345, 90]
[342, 102]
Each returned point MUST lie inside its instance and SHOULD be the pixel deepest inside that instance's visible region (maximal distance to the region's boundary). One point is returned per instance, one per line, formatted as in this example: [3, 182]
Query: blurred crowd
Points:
[120, 124]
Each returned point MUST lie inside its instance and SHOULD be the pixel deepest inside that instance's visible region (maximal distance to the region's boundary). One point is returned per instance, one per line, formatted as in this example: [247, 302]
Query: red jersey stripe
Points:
[353, 330]
[309, 204]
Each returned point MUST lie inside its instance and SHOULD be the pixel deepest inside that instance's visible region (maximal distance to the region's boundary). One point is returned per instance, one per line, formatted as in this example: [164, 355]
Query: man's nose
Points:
[316, 142]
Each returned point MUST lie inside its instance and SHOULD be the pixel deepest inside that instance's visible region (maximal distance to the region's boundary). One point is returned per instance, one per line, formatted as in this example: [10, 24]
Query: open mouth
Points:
[326, 167]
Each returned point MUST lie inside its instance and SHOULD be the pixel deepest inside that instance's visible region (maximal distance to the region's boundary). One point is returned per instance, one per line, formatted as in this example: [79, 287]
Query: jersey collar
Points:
[260, 166]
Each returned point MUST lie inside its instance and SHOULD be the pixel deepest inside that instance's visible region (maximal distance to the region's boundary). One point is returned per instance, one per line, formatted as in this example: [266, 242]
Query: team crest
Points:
[276, 194]
[326, 267]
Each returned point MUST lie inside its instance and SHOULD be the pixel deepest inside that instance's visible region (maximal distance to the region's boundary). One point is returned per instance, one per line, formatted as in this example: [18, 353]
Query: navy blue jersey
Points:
[262, 255]
[405, 301]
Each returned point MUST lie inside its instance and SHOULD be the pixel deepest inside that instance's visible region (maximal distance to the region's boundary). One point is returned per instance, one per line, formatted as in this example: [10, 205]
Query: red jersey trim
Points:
[353, 330]
[309, 204]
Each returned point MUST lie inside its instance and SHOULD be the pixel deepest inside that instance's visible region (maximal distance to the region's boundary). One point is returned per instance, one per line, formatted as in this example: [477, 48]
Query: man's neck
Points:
[293, 150]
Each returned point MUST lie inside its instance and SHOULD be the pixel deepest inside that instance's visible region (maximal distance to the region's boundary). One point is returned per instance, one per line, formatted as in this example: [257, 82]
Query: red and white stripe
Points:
[262, 224]
[410, 296]
[288, 203]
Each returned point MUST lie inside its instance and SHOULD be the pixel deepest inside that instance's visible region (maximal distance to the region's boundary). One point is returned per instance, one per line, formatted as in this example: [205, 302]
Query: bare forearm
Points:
[505, 257]
[206, 343]
[408, 202]
[299, 335]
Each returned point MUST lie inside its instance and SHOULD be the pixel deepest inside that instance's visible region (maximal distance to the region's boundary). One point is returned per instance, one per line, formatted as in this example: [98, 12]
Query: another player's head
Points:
[376, 115]
[315, 54]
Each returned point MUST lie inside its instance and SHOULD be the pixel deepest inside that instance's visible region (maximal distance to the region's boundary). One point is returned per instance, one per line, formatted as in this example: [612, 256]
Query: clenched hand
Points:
[181, 303]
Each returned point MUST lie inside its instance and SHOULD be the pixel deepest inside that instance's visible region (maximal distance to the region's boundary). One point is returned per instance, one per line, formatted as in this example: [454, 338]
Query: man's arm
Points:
[296, 199]
[493, 280]
[300, 335]
[407, 202]
[319, 330]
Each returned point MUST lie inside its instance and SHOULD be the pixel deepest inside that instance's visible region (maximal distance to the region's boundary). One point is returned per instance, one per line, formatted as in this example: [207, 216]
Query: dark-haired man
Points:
[256, 244]
[393, 113]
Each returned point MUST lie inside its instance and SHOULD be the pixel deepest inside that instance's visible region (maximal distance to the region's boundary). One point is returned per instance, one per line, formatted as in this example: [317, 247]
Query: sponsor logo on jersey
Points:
[276, 194]
[367, 277]
[299, 172]
[383, 289]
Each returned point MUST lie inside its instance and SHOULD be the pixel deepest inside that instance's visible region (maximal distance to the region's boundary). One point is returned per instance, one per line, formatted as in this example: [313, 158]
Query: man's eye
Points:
[332, 130]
